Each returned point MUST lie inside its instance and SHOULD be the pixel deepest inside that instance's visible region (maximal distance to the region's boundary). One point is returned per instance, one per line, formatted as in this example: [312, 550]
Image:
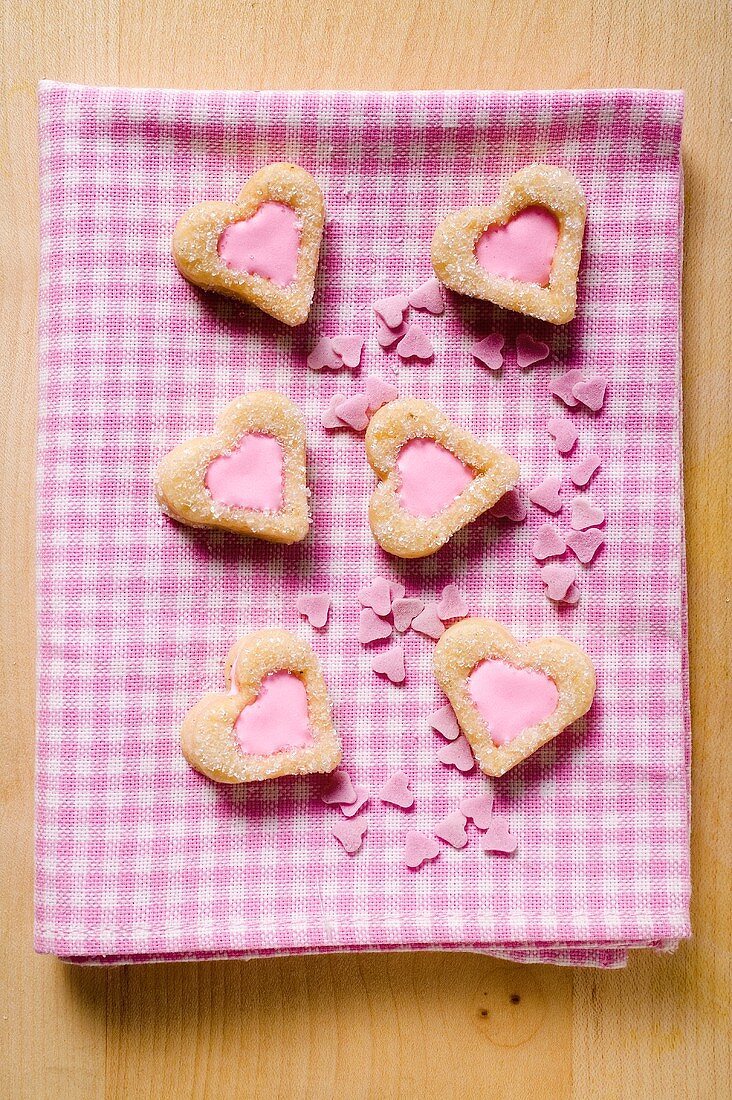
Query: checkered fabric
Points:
[137, 856]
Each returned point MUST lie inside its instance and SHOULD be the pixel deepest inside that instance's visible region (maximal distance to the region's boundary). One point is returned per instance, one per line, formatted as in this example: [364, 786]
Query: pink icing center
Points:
[430, 477]
[277, 719]
[523, 248]
[251, 476]
[511, 699]
[266, 244]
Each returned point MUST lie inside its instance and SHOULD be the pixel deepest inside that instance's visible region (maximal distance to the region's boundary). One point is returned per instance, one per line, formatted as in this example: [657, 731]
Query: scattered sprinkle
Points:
[391, 310]
[323, 356]
[348, 349]
[405, 611]
[390, 663]
[352, 808]
[511, 506]
[371, 628]
[377, 596]
[591, 393]
[415, 344]
[396, 792]
[562, 387]
[418, 848]
[354, 411]
[397, 591]
[583, 472]
[458, 754]
[452, 830]
[546, 495]
[379, 392]
[428, 622]
[548, 543]
[387, 336]
[586, 514]
[428, 296]
[338, 789]
[497, 838]
[314, 608]
[564, 433]
[452, 605]
[489, 351]
[445, 722]
[350, 834]
[479, 809]
[530, 351]
[329, 418]
[585, 544]
[558, 580]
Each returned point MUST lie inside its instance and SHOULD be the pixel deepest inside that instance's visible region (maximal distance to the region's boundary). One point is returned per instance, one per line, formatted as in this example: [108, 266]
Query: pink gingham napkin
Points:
[137, 856]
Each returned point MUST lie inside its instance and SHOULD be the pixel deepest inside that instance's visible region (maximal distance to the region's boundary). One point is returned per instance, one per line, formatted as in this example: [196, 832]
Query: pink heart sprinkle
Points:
[548, 543]
[418, 848]
[558, 579]
[371, 628]
[564, 434]
[591, 393]
[348, 349]
[328, 418]
[415, 344]
[510, 506]
[458, 754]
[428, 622]
[391, 310]
[452, 604]
[338, 789]
[498, 838]
[323, 355]
[387, 336]
[546, 495]
[362, 797]
[585, 544]
[315, 609]
[489, 351]
[428, 296]
[572, 597]
[390, 664]
[445, 722]
[397, 591]
[562, 387]
[354, 411]
[586, 514]
[479, 809]
[396, 792]
[377, 596]
[582, 473]
[529, 350]
[452, 829]
[350, 834]
[379, 392]
[405, 611]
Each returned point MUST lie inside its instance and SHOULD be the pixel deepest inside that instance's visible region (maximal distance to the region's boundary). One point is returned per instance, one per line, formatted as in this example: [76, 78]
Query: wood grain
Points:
[396, 1025]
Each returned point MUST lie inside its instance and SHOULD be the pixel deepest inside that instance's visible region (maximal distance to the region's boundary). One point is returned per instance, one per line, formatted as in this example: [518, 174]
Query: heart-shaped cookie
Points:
[434, 477]
[274, 720]
[522, 253]
[248, 477]
[262, 249]
[510, 699]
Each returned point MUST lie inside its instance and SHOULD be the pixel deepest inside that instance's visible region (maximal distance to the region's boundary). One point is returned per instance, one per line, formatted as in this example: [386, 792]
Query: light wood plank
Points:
[395, 1025]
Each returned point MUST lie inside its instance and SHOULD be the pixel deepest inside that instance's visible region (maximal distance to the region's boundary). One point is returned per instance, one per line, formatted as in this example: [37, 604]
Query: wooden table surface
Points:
[396, 1025]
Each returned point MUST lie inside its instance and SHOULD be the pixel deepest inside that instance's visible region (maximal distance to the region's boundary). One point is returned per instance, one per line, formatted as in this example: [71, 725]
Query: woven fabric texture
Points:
[137, 856]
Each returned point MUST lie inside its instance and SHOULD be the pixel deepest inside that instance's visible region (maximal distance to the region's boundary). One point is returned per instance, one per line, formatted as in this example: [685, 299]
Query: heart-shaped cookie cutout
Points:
[248, 477]
[275, 718]
[522, 253]
[510, 699]
[262, 249]
[434, 477]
